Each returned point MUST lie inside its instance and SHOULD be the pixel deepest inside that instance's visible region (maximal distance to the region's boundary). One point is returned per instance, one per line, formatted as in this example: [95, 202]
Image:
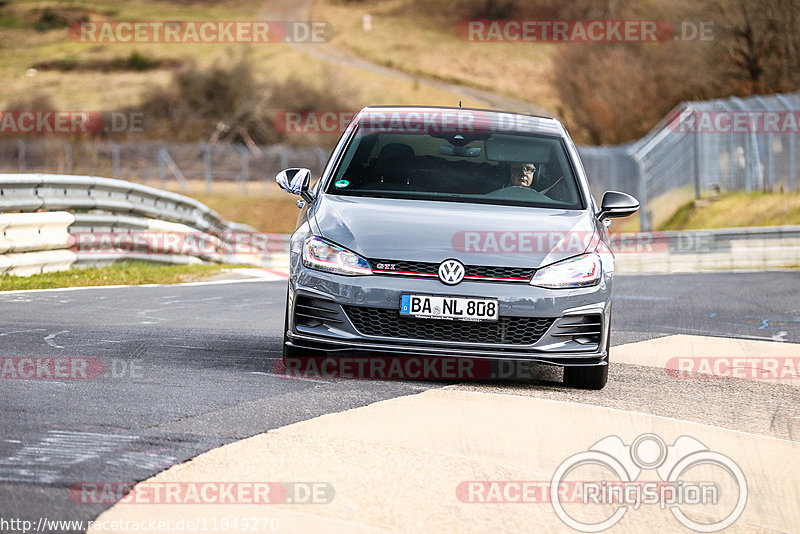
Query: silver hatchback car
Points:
[453, 233]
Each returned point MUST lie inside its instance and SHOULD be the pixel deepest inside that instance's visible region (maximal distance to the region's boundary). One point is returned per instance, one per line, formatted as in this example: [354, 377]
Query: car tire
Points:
[590, 377]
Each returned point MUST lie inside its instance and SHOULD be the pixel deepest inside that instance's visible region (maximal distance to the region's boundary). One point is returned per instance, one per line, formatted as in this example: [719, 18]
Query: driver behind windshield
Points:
[525, 176]
[522, 176]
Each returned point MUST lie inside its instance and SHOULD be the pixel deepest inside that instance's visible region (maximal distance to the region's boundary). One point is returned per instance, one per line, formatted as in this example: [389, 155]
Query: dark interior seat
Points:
[393, 166]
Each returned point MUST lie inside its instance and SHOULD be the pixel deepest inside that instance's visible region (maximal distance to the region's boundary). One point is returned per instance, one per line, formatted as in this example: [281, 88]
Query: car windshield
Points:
[489, 167]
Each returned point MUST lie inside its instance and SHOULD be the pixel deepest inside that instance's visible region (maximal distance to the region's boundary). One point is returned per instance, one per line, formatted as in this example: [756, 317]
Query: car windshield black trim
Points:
[461, 200]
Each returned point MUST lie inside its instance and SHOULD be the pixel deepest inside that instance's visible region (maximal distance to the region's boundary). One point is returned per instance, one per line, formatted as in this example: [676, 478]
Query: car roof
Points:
[496, 120]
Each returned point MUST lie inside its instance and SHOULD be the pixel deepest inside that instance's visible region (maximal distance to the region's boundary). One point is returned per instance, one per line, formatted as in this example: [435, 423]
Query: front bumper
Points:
[333, 331]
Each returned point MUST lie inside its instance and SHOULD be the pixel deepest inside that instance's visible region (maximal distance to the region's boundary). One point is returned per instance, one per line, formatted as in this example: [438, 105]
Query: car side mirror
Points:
[616, 204]
[295, 181]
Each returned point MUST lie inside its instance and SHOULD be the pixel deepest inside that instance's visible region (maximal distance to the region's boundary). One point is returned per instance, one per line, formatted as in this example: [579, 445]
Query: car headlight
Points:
[324, 256]
[581, 271]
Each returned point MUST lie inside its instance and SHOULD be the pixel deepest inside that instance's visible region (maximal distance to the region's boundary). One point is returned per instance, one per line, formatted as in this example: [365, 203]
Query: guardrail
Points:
[51, 192]
[113, 220]
[116, 220]
[156, 162]
[709, 250]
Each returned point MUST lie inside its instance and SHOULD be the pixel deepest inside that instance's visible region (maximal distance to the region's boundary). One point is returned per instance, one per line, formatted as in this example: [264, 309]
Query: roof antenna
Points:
[459, 103]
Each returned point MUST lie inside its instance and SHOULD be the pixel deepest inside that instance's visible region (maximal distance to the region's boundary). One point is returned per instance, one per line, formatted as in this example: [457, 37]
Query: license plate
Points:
[433, 307]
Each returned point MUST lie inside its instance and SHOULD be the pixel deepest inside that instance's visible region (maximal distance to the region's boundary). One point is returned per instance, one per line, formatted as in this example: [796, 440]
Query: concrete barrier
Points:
[28, 263]
[26, 232]
[32, 243]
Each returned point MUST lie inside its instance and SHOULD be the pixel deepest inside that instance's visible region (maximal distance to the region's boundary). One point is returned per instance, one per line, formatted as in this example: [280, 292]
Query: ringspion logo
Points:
[592, 490]
[692, 478]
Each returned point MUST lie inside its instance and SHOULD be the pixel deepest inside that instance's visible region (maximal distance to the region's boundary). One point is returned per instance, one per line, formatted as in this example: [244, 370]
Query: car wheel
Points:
[594, 377]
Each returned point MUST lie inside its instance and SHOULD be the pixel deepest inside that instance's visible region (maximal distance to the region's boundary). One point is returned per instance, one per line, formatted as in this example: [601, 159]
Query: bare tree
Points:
[761, 40]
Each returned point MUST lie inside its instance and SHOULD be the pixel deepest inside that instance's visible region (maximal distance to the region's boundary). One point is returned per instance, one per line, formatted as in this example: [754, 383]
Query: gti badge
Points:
[451, 272]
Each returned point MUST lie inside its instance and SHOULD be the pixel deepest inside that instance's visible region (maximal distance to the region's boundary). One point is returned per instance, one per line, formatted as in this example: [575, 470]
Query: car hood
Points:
[431, 231]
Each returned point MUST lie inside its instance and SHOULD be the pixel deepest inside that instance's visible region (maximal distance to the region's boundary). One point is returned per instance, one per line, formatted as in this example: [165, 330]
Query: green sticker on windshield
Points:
[342, 183]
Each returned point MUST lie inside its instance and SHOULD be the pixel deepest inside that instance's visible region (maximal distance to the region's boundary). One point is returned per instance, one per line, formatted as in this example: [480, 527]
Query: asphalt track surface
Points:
[189, 368]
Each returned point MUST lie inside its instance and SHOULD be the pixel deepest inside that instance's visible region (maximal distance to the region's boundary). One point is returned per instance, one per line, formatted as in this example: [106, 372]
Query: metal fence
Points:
[733, 144]
[157, 163]
[717, 145]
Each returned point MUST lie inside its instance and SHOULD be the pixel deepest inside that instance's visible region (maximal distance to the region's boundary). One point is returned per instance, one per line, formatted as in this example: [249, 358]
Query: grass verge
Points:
[124, 273]
[425, 42]
[22, 47]
[263, 206]
[264, 213]
[736, 210]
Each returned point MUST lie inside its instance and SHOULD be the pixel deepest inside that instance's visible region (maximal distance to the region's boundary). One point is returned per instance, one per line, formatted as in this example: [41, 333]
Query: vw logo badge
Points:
[451, 272]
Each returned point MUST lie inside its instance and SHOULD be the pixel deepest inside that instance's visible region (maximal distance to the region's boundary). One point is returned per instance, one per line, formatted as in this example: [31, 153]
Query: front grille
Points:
[498, 272]
[384, 322]
[520, 274]
[416, 267]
